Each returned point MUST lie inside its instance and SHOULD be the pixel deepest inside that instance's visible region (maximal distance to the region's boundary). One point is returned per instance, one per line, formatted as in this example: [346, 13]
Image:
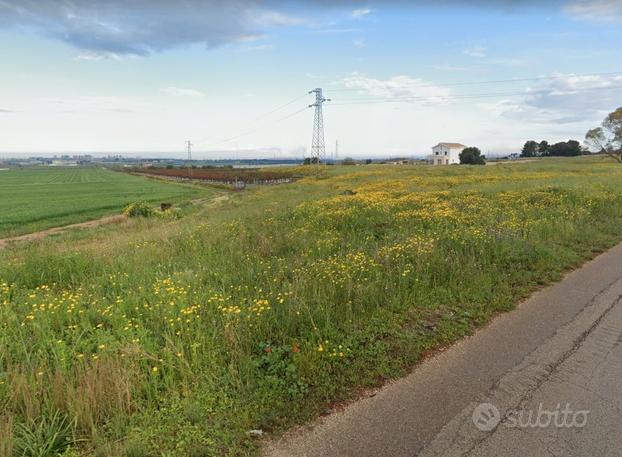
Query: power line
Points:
[285, 105]
[439, 98]
[248, 132]
[260, 118]
[494, 81]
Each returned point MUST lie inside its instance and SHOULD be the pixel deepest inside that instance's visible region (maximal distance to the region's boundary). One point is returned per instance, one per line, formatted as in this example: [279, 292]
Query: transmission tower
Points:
[318, 148]
[189, 150]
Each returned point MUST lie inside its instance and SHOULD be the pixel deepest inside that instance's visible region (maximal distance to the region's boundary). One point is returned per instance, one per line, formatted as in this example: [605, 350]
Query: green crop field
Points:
[33, 199]
[260, 309]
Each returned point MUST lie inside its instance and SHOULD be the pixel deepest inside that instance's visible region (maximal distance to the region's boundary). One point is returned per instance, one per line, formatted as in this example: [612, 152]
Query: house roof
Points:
[451, 145]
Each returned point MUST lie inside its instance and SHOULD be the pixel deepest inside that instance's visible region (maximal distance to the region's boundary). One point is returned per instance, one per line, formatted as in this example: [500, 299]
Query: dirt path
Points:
[114, 219]
[4, 242]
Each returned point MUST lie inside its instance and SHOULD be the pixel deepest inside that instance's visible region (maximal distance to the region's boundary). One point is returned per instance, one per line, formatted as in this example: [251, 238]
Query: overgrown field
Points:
[177, 337]
[33, 199]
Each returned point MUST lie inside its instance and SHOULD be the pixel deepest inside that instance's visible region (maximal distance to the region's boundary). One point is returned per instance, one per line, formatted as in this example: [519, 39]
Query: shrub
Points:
[472, 156]
[138, 209]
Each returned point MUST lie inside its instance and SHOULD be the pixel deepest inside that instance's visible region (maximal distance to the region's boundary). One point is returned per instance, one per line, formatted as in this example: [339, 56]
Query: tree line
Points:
[562, 149]
[606, 139]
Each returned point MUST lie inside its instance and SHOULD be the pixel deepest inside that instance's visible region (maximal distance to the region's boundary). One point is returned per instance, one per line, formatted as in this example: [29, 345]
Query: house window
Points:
[445, 152]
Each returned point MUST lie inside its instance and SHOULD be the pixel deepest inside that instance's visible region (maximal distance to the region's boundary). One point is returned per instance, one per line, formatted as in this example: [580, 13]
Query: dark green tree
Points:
[472, 156]
[530, 149]
[543, 148]
[566, 149]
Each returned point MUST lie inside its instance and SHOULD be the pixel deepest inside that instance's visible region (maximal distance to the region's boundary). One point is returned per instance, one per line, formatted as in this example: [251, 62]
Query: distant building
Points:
[400, 161]
[446, 153]
[64, 163]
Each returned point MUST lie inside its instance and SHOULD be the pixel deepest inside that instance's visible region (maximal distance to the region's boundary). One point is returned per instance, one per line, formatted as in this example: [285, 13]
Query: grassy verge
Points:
[177, 337]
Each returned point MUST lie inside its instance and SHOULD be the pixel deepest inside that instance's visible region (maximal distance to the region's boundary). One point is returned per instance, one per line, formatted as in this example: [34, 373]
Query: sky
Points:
[233, 76]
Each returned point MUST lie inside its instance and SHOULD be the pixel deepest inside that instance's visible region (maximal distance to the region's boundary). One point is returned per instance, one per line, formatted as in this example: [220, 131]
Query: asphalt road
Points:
[557, 356]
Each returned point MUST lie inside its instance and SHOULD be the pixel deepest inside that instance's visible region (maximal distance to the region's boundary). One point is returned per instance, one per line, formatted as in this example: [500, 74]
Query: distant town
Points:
[75, 160]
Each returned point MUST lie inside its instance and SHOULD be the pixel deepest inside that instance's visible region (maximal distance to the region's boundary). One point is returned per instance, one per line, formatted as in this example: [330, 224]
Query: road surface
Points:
[556, 357]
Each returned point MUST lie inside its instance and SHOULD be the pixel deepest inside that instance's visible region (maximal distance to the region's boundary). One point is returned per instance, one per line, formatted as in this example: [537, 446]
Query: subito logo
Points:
[486, 417]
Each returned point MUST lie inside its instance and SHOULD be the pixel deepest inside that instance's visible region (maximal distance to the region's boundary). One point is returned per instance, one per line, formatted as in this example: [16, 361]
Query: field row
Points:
[34, 199]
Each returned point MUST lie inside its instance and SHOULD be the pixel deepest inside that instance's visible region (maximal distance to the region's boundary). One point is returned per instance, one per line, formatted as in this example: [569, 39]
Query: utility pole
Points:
[318, 148]
[336, 149]
[189, 150]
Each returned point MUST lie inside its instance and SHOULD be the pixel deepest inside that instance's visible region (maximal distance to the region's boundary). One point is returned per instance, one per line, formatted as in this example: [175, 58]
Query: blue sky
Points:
[144, 76]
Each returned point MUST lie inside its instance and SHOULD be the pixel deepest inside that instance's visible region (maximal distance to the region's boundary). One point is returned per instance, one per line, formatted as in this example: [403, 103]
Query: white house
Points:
[446, 153]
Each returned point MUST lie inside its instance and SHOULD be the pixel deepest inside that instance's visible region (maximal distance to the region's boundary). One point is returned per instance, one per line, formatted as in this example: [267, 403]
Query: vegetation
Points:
[177, 337]
[472, 156]
[568, 148]
[607, 138]
[530, 149]
[565, 149]
[139, 209]
[310, 161]
[34, 199]
[220, 174]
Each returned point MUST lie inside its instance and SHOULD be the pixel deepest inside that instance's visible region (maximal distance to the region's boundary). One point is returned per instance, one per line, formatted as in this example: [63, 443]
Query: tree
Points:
[566, 149]
[543, 148]
[529, 149]
[472, 156]
[607, 138]
[310, 161]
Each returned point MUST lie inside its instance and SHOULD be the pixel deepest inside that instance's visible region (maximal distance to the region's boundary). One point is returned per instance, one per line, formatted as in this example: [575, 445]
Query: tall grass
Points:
[179, 336]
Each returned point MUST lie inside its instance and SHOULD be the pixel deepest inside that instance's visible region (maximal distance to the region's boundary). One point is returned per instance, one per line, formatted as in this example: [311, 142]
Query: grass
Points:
[177, 337]
[37, 198]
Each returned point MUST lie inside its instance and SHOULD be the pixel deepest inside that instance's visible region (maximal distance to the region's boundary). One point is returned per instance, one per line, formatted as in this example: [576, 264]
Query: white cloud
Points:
[260, 47]
[359, 43]
[361, 12]
[181, 92]
[595, 10]
[399, 87]
[475, 51]
[275, 18]
[92, 56]
[565, 98]
[89, 104]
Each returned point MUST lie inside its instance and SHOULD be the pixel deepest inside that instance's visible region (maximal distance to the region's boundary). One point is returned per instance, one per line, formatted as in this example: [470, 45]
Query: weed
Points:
[139, 209]
[48, 437]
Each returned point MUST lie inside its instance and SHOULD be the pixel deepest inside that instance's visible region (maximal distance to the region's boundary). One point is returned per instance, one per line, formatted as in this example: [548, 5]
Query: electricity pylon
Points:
[189, 150]
[318, 148]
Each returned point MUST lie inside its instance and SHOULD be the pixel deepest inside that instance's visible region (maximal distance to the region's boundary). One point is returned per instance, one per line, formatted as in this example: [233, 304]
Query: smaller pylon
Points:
[189, 150]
